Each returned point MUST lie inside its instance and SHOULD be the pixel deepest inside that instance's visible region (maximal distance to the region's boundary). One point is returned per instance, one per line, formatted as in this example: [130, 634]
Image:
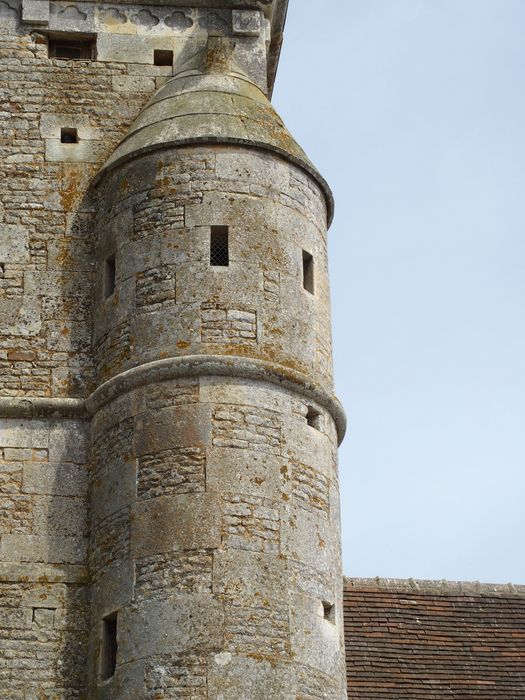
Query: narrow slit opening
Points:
[219, 249]
[162, 57]
[108, 647]
[68, 135]
[329, 612]
[110, 272]
[308, 272]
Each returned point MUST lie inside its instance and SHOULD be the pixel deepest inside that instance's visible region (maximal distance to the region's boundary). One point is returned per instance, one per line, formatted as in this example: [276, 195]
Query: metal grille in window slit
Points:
[219, 253]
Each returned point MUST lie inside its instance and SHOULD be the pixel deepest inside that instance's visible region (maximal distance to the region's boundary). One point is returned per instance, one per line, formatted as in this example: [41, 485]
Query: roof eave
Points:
[278, 21]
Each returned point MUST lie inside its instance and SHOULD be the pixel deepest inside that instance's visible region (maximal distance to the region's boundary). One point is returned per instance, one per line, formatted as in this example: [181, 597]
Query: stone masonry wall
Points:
[44, 592]
[155, 216]
[47, 270]
[219, 554]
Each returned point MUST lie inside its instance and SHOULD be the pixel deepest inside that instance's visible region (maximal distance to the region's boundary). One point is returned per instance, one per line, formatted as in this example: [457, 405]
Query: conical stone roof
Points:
[203, 105]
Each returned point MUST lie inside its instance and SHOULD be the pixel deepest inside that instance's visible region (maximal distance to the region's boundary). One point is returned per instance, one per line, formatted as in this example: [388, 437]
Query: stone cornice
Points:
[218, 366]
[42, 407]
[175, 368]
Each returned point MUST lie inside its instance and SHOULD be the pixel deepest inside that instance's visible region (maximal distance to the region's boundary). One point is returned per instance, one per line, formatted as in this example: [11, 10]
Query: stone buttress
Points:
[215, 534]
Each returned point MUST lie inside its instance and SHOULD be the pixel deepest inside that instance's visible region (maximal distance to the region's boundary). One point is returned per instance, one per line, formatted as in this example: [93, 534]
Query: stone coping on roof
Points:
[438, 587]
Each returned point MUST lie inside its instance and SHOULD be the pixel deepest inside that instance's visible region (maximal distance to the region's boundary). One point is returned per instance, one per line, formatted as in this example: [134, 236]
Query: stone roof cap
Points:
[210, 101]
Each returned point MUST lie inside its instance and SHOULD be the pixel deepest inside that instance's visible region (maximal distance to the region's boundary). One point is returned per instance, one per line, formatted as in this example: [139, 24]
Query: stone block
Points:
[133, 83]
[35, 11]
[24, 433]
[187, 623]
[244, 472]
[114, 489]
[45, 596]
[45, 549]
[22, 315]
[114, 590]
[79, 17]
[179, 426]
[69, 442]
[316, 641]
[308, 538]
[246, 22]
[232, 676]
[81, 152]
[306, 445]
[57, 479]
[167, 523]
[14, 244]
[244, 574]
[125, 48]
[52, 123]
[60, 516]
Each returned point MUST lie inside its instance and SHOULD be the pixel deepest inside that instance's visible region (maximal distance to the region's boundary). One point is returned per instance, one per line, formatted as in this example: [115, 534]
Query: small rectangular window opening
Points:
[71, 49]
[329, 612]
[110, 272]
[68, 135]
[161, 57]
[308, 272]
[2, 269]
[219, 253]
[108, 647]
[313, 418]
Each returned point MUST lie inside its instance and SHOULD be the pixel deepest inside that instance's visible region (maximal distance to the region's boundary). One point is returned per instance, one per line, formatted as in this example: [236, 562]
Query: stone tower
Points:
[169, 490]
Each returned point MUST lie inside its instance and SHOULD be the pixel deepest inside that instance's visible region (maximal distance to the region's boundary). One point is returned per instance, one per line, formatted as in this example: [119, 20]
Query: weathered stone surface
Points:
[188, 522]
[168, 430]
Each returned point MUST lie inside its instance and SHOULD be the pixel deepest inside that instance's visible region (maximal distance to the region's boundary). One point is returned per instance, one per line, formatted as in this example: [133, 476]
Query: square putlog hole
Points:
[68, 135]
[162, 57]
[313, 418]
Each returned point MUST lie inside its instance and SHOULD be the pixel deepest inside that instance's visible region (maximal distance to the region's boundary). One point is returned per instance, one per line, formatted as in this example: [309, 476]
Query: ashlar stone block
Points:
[167, 523]
[35, 11]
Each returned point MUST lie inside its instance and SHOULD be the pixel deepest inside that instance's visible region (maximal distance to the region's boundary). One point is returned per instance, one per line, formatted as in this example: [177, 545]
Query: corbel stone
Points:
[246, 22]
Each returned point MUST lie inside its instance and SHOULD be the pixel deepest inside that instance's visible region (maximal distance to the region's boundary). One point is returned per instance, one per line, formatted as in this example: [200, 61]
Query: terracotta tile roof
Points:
[430, 640]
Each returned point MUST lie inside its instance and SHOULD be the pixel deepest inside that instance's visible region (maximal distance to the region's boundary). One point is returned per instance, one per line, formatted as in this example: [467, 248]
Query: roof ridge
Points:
[442, 586]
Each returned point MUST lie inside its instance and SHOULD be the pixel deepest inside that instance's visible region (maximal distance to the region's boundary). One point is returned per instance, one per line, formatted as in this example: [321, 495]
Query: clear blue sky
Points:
[414, 111]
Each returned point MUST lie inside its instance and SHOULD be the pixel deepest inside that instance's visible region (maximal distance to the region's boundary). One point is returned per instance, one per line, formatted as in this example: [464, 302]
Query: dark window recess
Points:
[313, 418]
[108, 647]
[219, 253]
[110, 272]
[329, 612]
[162, 57]
[82, 50]
[68, 135]
[308, 272]
[2, 269]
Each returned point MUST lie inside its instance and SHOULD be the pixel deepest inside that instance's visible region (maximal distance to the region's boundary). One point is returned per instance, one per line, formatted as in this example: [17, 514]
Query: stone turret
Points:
[215, 550]
[191, 336]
